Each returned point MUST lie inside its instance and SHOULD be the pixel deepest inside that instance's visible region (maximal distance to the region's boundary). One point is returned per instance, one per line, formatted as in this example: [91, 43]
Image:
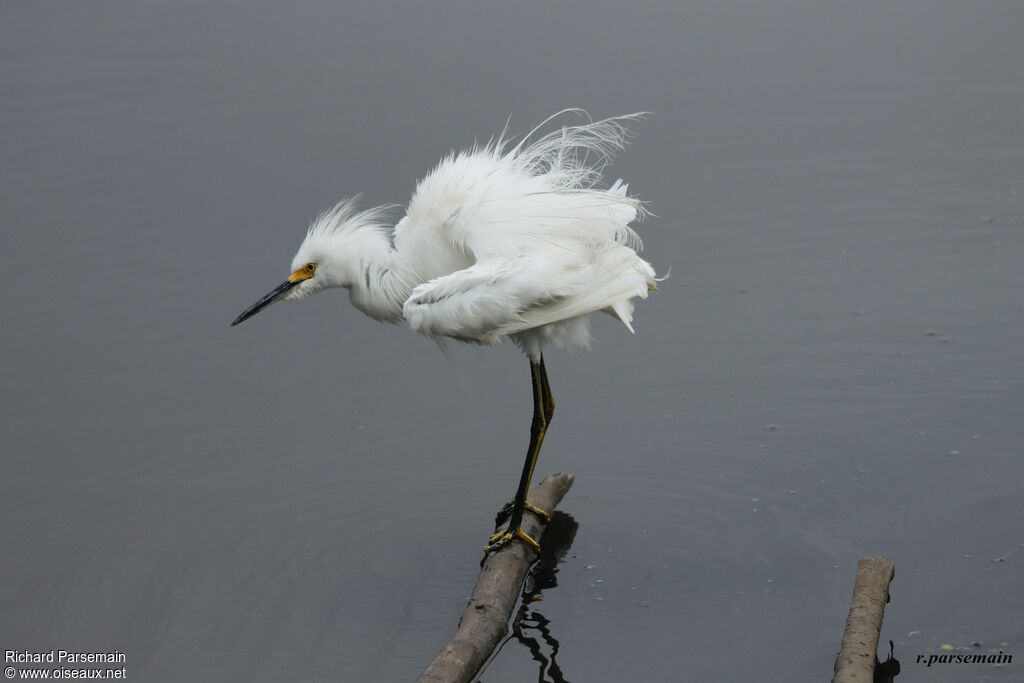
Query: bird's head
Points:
[335, 240]
[303, 281]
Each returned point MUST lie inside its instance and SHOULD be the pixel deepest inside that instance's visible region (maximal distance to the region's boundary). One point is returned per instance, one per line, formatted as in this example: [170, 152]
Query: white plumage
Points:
[497, 241]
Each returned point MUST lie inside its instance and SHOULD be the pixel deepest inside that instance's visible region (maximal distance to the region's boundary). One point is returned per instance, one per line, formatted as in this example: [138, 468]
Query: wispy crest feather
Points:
[345, 217]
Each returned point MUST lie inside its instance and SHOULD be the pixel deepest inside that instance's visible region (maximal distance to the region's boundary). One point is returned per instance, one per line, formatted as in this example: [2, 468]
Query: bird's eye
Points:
[310, 268]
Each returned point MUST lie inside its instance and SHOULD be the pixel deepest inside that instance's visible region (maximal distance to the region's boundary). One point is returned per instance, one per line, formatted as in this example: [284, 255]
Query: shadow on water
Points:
[530, 627]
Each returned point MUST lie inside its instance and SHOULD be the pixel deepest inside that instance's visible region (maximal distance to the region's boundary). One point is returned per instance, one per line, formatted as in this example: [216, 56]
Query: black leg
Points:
[537, 427]
[543, 407]
[549, 400]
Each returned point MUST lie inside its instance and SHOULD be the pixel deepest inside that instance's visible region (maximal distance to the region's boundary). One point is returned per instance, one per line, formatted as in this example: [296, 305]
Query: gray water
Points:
[833, 369]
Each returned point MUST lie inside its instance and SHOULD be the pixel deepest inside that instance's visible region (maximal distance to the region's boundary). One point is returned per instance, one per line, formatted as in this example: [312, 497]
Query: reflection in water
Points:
[886, 671]
[530, 627]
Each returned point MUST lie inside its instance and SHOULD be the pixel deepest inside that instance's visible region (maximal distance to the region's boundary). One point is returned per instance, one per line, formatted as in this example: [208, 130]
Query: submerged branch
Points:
[485, 621]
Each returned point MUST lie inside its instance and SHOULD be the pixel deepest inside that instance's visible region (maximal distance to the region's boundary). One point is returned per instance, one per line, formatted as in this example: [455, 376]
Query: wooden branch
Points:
[485, 621]
[855, 662]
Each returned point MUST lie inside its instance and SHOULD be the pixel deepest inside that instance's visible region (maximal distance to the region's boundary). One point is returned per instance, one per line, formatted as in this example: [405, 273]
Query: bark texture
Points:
[857, 656]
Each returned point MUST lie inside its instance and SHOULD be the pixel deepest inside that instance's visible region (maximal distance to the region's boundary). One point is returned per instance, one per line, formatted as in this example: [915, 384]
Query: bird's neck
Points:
[375, 276]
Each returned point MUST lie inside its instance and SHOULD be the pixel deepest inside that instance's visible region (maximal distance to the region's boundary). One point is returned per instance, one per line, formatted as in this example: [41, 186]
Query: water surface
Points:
[833, 370]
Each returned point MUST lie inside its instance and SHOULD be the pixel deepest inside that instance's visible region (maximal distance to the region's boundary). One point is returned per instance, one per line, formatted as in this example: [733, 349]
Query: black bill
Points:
[274, 296]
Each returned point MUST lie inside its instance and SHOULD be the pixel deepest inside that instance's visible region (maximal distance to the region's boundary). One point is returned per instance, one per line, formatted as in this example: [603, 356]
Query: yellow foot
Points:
[537, 511]
[506, 512]
[503, 537]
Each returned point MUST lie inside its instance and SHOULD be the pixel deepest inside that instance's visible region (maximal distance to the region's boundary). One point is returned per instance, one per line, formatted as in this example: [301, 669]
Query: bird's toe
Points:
[503, 538]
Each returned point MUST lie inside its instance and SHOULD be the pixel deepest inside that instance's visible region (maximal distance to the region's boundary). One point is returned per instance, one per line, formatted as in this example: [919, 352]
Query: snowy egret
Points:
[497, 241]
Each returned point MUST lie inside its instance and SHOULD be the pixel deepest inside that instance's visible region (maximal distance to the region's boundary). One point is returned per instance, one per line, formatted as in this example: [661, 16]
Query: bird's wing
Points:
[613, 275]
[494, 200]
[500, 296]
[508, 240]
[476, 303]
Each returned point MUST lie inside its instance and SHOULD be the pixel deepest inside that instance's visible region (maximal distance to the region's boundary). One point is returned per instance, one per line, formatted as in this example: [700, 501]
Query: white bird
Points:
[497, 241]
